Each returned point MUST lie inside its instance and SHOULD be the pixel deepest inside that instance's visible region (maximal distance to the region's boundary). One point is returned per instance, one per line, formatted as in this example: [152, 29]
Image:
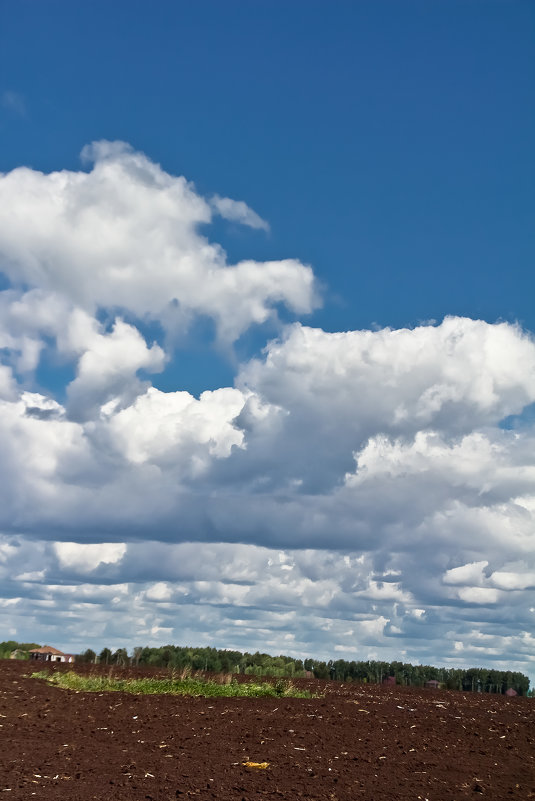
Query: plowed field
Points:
[357, 742]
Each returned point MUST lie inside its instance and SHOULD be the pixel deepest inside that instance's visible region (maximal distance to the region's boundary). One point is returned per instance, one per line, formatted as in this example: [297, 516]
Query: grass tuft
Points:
[181, 685]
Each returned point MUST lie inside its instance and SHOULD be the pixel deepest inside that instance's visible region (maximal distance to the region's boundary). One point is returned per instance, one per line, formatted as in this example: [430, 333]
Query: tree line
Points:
[20, 649]
[213, 660]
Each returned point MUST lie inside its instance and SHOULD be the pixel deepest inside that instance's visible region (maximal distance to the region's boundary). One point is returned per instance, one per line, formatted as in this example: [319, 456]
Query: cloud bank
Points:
[352, 493]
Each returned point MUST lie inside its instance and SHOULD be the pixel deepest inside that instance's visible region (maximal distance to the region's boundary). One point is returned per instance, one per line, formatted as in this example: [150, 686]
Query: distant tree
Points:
[8, 646]
[321, 671]
[105, 656]
[88, 656]
[120, 657]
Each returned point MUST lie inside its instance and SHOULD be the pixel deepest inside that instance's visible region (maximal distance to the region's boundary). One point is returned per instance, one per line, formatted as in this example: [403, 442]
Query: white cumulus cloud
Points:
[238, 211]
[352, 490]
[126, 235]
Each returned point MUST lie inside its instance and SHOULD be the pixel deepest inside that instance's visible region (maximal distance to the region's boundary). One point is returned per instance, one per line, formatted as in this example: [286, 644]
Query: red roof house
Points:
[49, 654]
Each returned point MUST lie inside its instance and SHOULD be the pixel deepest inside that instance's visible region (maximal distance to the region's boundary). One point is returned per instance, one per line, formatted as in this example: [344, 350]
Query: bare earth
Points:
[358, 742]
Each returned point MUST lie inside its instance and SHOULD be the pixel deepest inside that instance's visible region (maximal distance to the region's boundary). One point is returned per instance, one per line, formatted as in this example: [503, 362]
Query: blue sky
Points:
[377, 161]
[388, 144]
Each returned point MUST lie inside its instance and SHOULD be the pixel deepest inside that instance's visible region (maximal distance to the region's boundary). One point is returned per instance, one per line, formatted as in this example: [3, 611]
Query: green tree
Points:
[120, 657]
[88, 656]
[105, 656]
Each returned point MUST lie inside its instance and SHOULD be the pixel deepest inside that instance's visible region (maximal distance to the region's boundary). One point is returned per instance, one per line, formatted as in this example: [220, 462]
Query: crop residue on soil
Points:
[357, 742]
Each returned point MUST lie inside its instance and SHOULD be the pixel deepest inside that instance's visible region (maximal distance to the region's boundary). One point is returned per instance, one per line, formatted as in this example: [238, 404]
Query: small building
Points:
[432, 684]
[49, 654]
[511, 693]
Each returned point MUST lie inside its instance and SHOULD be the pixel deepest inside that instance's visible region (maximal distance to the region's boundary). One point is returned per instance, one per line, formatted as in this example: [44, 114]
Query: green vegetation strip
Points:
[173, 686]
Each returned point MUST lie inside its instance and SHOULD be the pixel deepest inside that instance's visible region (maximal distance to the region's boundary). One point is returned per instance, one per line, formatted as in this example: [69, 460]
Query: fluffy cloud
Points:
[107, 369]
[126, 235]
[454, 376]
[86, 558]
[520, 579]
[7, 384]
[284, 462]
[243, 596]
[352, 491]
[238, 211]
[472, 573]
[168, 428]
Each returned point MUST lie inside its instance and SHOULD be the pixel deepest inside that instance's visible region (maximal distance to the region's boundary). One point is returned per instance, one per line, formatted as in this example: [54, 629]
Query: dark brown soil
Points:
[358, 742]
